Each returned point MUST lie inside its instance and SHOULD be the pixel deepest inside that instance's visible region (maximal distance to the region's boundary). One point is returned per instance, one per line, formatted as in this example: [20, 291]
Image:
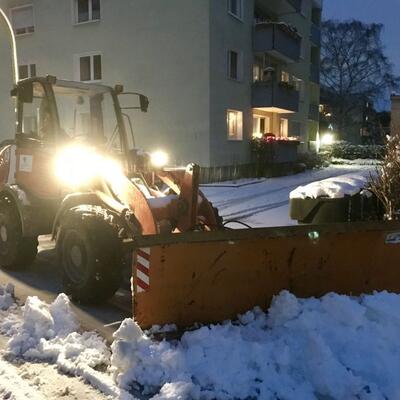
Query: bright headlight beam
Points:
[159, 159]
[77, 166]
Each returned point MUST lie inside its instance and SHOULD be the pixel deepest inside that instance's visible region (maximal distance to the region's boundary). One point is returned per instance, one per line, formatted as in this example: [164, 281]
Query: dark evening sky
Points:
[386, 12]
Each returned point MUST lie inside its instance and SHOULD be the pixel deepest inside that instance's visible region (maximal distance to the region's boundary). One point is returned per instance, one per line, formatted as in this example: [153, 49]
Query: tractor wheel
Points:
[90, 255]
[16, 251]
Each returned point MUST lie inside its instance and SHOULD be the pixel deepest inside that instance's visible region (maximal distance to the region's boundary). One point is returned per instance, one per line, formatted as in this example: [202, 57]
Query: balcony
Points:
[315, 35]
[313, 113]
[314, 74]
[275, 97]
[278, 40]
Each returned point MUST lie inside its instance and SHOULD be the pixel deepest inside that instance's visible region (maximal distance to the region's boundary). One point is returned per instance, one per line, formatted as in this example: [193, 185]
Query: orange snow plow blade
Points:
[208, 277]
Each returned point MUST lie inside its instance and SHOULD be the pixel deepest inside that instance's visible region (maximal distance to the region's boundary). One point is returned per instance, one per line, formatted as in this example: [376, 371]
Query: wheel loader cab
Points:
[53, 114]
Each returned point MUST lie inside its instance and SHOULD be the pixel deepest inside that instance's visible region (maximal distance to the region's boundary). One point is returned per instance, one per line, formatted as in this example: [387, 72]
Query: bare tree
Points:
[385, 183]
[354, 68]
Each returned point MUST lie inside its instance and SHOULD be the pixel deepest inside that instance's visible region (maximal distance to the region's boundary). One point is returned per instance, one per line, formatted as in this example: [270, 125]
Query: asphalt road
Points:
[42, 279]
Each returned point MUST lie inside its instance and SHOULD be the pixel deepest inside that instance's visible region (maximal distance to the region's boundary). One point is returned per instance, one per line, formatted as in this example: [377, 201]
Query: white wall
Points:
[156, 47]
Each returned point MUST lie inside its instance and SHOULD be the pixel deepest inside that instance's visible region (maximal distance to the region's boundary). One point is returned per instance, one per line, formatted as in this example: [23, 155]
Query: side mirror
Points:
[24, 93]
[144, 103]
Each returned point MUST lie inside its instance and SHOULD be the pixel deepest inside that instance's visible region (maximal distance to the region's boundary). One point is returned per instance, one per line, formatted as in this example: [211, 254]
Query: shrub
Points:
[313, 160]
[352, 151]
[385, 184]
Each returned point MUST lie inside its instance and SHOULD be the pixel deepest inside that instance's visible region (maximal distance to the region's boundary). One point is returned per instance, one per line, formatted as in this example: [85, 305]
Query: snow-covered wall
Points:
[334, 188]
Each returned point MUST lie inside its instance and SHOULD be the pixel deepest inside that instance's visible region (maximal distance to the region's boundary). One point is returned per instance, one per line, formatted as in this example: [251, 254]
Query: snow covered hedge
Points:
[350, 151]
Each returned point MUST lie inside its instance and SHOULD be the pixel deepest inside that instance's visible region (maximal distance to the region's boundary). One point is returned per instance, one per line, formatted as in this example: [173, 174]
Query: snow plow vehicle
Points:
[72, 171]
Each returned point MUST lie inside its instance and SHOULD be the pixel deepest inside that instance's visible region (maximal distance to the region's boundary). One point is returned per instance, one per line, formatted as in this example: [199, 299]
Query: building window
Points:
[257, 73]
[89, 67]
[22, 20]
[235, 8]
[87, 10]
[235, 68]
[234, 120]
[284, 127]
[261, 125]
[27, 71]
[285, 76]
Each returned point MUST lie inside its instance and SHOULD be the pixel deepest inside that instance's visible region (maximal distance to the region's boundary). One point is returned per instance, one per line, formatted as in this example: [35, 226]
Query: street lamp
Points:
[13, 45]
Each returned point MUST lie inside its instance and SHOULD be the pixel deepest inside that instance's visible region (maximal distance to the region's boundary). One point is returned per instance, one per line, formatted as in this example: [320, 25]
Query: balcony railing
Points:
[278, 97]
[314, 112]
[314, 74]
[277, 39]
[316, 34]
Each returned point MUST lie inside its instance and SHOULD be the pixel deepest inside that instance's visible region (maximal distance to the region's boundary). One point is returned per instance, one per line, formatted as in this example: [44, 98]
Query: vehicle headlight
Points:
[159, 159]
[77, 166]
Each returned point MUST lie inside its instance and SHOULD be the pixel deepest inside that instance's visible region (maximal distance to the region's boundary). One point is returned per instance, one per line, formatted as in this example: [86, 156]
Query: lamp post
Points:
[13, 45]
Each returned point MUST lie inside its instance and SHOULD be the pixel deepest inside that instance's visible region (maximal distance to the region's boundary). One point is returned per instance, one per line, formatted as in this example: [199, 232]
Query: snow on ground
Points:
[336, 347]
[265, 202]
[42, 332]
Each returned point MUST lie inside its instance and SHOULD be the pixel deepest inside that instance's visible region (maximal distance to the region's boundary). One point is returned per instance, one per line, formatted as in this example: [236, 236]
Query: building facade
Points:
[216, 72]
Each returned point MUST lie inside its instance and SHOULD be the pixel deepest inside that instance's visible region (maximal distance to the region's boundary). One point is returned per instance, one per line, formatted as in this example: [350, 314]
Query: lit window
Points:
[261, 125]
[257, 73]
[284, 127]
[27, 71]
[234, 121]
[235, 8]
[87, 10]
[22, 20]
[285, 76]
[89, 67]
[235, 69]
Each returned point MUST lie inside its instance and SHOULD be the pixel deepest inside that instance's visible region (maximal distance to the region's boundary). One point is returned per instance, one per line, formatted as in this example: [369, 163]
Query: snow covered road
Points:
[266, 202]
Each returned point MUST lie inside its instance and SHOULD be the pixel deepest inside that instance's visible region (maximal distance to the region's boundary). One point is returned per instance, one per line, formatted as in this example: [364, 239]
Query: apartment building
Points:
[216, 72]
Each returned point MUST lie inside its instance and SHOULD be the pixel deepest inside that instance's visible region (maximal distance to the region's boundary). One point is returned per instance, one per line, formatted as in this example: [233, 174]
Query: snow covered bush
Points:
[350, 151]
[385, 184]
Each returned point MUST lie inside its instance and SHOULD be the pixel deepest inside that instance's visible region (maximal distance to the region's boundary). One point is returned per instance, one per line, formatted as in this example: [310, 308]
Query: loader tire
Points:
[90, 254]
[16, 251]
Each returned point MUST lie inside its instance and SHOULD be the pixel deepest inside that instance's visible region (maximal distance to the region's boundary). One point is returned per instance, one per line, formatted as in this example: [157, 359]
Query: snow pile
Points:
[6, 297]
[336, 347]
[49, 332]
[334, 188]
[41, 323]
[9, 311]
